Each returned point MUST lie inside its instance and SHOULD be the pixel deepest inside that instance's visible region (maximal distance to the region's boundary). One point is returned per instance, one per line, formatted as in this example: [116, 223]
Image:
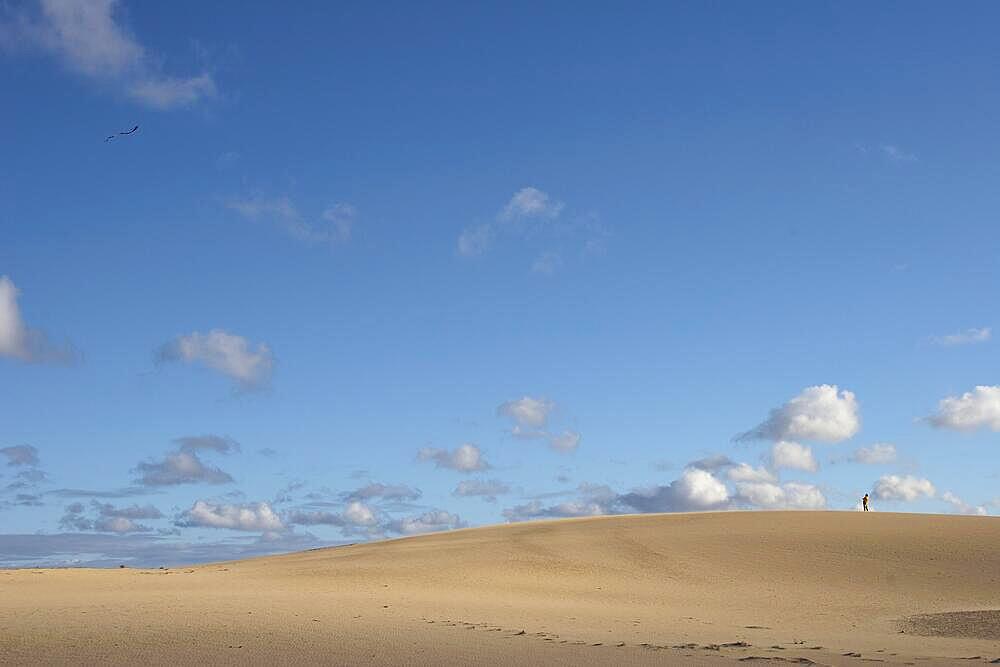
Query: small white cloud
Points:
[17, 340]
[793, 456]
[390, 492]
[172, 92]
[527, 412]
[979, 408]
[531, 203]
[250, 517]
[878, 454]
[744, 472]
[87, 38]
[474, 240]
[822, 412]
[547, 263]
[181, 467]
[967, 337]
[961, 507]
[336, 224]
[250, 366]
[465, 458]
[567, 441]
[897, 154]
[906, 487]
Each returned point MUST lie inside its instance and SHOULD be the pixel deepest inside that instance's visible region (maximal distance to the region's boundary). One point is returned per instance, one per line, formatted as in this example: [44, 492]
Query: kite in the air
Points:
[123, 134]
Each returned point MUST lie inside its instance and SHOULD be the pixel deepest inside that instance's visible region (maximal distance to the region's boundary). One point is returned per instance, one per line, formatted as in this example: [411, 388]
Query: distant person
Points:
[864, 502]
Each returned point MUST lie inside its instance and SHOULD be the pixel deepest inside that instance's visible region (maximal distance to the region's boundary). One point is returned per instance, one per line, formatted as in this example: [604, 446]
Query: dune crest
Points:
[825, 587]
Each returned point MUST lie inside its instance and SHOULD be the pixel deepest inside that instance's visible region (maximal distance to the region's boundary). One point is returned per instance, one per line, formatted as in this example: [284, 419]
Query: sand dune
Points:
[827, 587]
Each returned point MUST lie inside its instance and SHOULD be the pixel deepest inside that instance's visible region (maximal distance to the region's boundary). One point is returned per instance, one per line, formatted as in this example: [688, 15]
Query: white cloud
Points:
[744, 472]
[967, 337]
[974, 409]
[821, 413]
[530, 203]
[695, 490]
[790, 495]
[86, 36]
[181, 467]
[357, 517]
[488, 489]
[527, 411]
[547, 263]
[169, 92]
[213, 443]
[250, 517]
[567, 441]
[474, 240]
[427, 522]
[250, 366]
[877, 454]
[17, 340]
[335, 225]
[794, 456]
[465, 458]
[526, 204]
[359, 514]
[535, 510]
[897, 154]
[906, 487]
[961, 507]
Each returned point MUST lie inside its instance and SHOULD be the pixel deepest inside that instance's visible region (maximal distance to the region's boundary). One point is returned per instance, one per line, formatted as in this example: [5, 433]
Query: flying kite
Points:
[123, 134]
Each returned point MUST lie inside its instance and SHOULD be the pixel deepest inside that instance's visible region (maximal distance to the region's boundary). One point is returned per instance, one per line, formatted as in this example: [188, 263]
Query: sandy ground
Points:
[839, 588]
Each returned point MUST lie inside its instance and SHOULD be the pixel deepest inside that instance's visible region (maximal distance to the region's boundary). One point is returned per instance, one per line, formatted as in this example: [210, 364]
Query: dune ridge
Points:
[821, 587]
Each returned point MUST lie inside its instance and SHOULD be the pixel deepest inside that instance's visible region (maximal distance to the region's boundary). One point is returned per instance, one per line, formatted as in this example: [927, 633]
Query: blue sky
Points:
[371, 271]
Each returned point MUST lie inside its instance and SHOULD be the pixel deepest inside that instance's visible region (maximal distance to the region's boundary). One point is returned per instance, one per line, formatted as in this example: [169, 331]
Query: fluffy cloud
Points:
[744, 472]
[792, 455]
[961, 507]
[109, 519]
[979, 408]
[695, 490]
[249, 517]
[967, 337]
[567, 441]
[250, 367]
[87, 38]
[527, 412]
[356, 515]
[434, 520]
[335, 224]
[530, 203]
[465, 458]
[19, 341]
[907, 487]
[877, 454]
[821, 413]
[790, 495]
[181, 467]
[713, 463]
[20, 455]
[487, 489]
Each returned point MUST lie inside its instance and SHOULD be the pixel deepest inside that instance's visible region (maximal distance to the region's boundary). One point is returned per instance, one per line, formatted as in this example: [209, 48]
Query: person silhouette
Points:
[864, 502]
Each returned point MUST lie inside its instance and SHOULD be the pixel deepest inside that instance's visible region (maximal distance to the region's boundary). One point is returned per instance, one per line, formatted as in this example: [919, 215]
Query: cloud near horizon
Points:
[465, 458]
